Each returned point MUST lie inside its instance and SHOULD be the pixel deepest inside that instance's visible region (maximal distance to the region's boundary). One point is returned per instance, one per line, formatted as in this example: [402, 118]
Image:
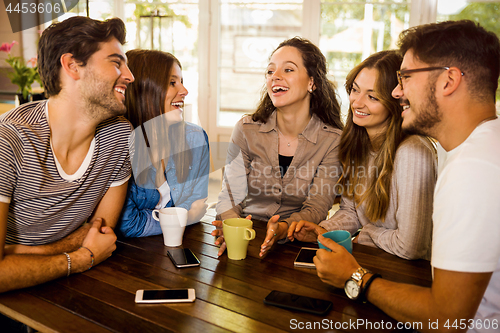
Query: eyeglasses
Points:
[404, 72]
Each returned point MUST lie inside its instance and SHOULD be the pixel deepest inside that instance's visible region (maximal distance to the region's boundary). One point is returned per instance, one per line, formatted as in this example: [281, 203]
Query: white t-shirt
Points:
[466, 234]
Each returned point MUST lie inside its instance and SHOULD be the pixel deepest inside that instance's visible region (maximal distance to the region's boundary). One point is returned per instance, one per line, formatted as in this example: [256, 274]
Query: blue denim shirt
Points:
[136, 218]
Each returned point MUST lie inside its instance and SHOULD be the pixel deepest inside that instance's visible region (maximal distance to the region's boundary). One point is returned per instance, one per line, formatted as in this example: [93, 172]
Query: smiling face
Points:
[104, 80]
[368, 111]
[287, 80]
[176, 92]
[421, 113]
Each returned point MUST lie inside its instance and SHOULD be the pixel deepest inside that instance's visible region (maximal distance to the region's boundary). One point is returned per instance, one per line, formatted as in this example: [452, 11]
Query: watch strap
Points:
[358, 275]
[362, 296]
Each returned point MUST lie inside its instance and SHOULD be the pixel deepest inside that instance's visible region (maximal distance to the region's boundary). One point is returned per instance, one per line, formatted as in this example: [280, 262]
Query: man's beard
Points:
[101, 102]
[428, 116]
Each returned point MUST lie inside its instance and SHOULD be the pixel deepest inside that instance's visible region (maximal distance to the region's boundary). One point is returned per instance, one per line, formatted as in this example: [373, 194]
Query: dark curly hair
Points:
[324, 101]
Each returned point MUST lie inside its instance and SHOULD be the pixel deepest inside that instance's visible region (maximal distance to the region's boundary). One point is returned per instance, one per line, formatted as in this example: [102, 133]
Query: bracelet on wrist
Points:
[367, 285]
[69, 262]
[91, 255]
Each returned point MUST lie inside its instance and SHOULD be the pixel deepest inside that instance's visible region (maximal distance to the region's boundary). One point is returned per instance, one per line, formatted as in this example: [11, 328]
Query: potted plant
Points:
[24, 74]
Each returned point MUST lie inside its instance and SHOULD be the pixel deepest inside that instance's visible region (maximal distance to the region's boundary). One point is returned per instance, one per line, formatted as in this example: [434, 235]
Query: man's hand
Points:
[335, 267]
[69, 243]
[304, 231]
[100, 240]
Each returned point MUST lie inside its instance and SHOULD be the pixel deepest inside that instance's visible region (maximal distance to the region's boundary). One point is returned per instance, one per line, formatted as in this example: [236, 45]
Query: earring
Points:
[310, 90]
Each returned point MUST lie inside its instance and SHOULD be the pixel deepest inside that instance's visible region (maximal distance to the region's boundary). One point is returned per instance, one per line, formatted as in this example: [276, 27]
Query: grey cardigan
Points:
[407, 229]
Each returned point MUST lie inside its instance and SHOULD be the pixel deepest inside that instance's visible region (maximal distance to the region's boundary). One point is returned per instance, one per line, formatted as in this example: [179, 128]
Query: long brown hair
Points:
[356, 147]
[145, 100]
[324, 101]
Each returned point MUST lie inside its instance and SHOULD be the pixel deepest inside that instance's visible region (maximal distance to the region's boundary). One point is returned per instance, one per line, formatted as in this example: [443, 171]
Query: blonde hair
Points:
[356, 146]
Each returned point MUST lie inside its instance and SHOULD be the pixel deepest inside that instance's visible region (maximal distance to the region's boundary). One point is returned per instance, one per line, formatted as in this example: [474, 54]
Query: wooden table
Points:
[229, 294]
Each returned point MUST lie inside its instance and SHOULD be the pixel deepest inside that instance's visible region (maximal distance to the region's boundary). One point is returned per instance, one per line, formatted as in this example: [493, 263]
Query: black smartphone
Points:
[297, 302]
[183, 258]
[305, 257]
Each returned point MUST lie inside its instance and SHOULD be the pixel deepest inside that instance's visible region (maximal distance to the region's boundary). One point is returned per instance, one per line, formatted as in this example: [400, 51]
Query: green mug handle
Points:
[249, 234]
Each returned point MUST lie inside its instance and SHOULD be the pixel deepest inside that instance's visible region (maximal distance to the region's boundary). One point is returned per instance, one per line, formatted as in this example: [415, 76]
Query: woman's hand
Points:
[197, 210]
[218, 233]
[275, 231]
[304, 231]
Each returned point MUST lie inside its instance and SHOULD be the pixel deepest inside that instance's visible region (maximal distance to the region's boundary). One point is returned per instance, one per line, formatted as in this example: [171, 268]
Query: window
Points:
[352, 30]
[98, 9]
[479, 11]
[249, 32]
[170, 26]
[224, 45]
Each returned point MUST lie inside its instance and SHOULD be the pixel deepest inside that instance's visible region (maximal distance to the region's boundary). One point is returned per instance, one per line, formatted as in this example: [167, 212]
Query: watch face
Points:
[352, 289]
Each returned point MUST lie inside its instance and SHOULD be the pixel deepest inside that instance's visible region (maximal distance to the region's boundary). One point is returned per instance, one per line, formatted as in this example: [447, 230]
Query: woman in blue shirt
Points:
[162, 141]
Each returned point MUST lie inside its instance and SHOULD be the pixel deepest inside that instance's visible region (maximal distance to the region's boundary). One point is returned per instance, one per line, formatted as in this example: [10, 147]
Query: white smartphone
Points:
[305, 258]
[165, 296]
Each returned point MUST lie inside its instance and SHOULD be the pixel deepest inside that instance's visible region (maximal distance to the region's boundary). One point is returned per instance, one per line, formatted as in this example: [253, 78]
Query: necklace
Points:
[284, 137]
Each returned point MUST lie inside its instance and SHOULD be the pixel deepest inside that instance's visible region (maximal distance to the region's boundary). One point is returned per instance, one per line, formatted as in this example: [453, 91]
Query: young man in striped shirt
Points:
[65, 161]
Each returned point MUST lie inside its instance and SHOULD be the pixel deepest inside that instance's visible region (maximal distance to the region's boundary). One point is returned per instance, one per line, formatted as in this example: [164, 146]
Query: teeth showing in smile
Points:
[279, 88]
[361, 113]
[120, 90]
[178, 104]
[405, 107]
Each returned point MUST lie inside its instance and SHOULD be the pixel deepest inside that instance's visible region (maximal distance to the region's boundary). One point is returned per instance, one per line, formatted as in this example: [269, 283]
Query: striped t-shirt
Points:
[45, 204]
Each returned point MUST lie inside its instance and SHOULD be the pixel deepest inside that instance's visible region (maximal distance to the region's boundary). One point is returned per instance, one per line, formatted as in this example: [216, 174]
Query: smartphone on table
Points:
[298, 302]
[165, 296]
[305, 257]
[183, 258]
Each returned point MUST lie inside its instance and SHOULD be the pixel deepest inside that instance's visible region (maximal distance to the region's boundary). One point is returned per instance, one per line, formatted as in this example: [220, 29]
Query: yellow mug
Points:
[237, 233]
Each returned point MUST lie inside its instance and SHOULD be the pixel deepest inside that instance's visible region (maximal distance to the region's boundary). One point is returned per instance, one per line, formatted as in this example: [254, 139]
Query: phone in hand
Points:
[183, 258]
[298, 302]
[165, 296]
[305, 257]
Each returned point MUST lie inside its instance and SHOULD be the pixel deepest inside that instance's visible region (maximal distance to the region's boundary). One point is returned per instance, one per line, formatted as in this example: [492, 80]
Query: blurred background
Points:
[224, 45]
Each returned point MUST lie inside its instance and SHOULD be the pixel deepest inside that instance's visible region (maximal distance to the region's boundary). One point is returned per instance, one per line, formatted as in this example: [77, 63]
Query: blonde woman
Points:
[388, 177]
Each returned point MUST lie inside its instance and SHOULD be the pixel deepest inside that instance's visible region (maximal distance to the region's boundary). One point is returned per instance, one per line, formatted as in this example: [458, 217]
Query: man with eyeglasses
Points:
[447, 86]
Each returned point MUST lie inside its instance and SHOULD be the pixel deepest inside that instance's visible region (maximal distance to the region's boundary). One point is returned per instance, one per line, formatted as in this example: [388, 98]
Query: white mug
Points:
[172, 222]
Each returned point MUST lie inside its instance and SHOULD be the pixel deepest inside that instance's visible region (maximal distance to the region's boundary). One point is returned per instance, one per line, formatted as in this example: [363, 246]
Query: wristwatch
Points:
[352, 286]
